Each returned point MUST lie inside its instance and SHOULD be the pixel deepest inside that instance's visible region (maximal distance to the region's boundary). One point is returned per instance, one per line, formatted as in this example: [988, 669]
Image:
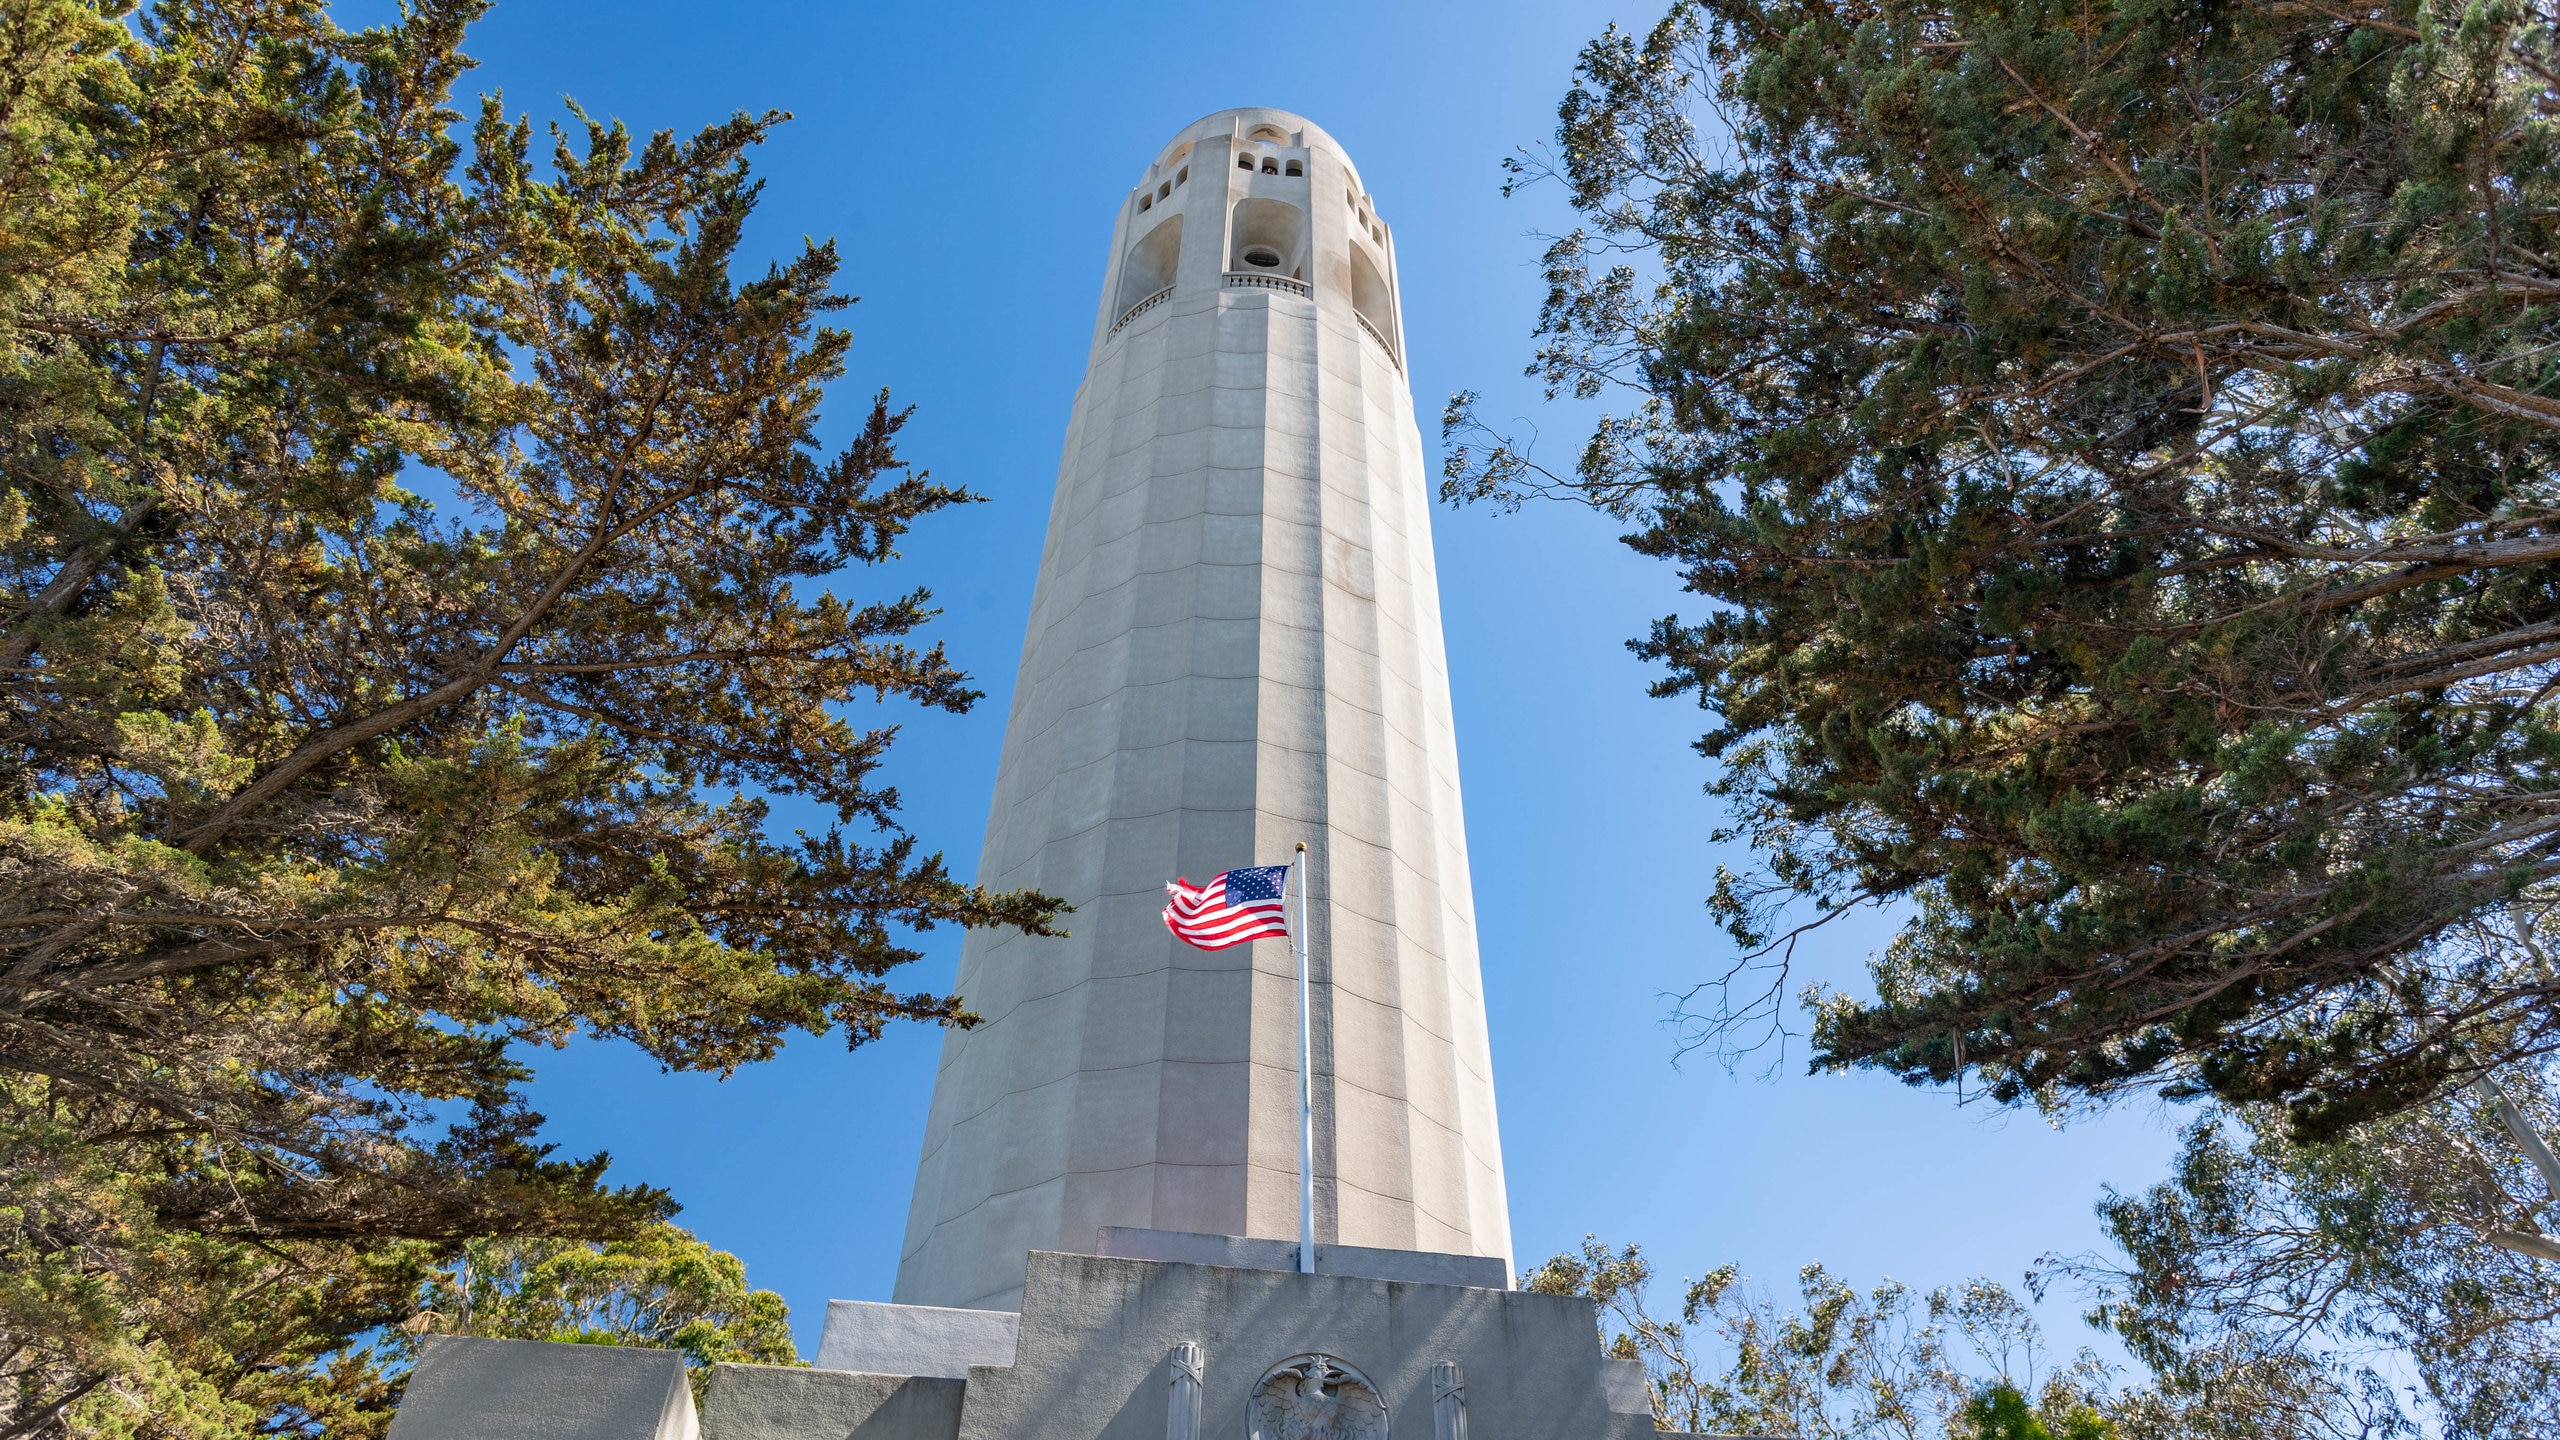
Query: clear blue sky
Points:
[968, 159]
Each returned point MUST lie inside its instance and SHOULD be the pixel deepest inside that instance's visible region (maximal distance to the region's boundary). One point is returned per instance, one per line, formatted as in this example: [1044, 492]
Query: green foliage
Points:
[661, 1288]
[316, 795]
[1999, 1412]
[1847, 1366]
[1966, 1363]
[2331, 1252]
[126, 1326]
[2274, 1289]
[2117, 441]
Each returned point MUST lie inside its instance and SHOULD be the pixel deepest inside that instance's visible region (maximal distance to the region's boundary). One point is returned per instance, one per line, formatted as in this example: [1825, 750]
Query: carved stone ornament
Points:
[1182, 1405]
[1315, 1397]
[1448, 1401]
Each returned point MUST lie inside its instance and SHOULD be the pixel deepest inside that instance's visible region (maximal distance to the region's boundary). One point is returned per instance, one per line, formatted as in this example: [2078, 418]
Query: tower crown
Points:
[1270, 222]
[1255, 126]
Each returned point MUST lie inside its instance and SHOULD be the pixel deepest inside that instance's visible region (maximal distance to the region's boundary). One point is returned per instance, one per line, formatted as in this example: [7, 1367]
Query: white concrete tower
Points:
[1234, 645]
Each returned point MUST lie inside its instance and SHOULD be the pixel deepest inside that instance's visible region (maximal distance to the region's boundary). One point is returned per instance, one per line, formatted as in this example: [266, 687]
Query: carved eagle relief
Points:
[1316, 1397]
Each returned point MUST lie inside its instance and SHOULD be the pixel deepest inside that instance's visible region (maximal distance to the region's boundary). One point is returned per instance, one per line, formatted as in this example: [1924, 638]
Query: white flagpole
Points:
[1306, 1088]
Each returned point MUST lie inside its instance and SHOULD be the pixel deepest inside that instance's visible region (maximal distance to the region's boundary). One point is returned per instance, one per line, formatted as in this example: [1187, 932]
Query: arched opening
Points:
[1182, 176]
[1370, 295]
[1269, 238]
[1164, 189]
[1294, 168]
[1146, 203]
[1270, 166]
[1151, 262]
[1244, 162]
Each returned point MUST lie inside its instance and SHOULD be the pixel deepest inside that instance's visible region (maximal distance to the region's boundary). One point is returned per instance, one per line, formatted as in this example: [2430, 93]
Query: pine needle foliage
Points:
[317, 796]
[2117, 438]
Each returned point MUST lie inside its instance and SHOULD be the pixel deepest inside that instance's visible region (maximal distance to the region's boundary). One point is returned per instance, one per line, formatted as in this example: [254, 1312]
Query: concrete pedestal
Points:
[470, 1389]
[1107, 1348]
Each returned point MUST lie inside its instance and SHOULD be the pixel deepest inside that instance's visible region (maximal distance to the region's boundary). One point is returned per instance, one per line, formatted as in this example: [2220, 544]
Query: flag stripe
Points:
[1209, 917]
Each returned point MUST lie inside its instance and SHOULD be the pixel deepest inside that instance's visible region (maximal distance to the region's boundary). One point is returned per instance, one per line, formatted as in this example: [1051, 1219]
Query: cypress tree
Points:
[417, 566]
[2115, 439]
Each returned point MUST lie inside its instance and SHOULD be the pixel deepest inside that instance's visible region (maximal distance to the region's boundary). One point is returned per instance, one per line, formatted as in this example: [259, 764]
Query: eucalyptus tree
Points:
[2413, 1249]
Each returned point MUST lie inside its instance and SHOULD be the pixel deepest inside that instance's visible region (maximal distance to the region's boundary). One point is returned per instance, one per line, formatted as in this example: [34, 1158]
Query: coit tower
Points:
[1234, 647]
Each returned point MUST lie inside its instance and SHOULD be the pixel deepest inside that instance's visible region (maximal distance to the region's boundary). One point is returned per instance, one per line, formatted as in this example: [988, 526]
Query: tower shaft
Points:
[1234, 646]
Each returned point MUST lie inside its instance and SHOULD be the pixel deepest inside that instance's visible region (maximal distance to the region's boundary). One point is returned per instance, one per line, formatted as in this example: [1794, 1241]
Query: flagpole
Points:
[1306, 1088]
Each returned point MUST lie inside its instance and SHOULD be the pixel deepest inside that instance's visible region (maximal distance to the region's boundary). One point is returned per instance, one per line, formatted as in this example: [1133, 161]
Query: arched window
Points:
[1370, 295]
[1296, 169]
[1244, 162]
[1270, 166]
[1270, 239]
[1151, 261]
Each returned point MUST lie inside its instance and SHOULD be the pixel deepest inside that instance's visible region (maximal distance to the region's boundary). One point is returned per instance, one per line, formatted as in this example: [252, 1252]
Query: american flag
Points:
[1233, 908]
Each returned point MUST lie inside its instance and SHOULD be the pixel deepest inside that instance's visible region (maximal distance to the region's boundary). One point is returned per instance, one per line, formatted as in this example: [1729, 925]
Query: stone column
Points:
[1448, 1401]
[1182, 1404]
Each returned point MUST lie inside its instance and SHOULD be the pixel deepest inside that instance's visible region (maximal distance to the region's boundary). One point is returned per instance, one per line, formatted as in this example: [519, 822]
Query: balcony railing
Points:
[1383, 343]
[1141, 308]
[1249, 281]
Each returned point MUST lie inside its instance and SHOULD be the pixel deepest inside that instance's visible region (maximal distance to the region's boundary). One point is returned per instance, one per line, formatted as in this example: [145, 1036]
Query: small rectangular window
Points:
[1182, 174]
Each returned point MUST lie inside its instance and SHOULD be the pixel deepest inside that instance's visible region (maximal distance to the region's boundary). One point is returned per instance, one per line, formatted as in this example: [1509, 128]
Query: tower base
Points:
[1110, 1347]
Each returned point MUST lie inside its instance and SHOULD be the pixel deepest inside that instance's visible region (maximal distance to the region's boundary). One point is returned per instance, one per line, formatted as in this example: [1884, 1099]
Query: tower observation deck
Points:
[1234, 646]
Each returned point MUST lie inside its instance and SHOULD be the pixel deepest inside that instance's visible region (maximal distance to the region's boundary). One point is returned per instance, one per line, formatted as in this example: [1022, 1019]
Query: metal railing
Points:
[1141, 308]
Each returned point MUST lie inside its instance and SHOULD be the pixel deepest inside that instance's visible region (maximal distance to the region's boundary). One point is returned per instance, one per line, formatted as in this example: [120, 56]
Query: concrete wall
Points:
[1234, 645]
[776, 1402]
[914, 1339]
[1096, 1337]
[1417, 1267]
[1096, 1333]
[464, 1388]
